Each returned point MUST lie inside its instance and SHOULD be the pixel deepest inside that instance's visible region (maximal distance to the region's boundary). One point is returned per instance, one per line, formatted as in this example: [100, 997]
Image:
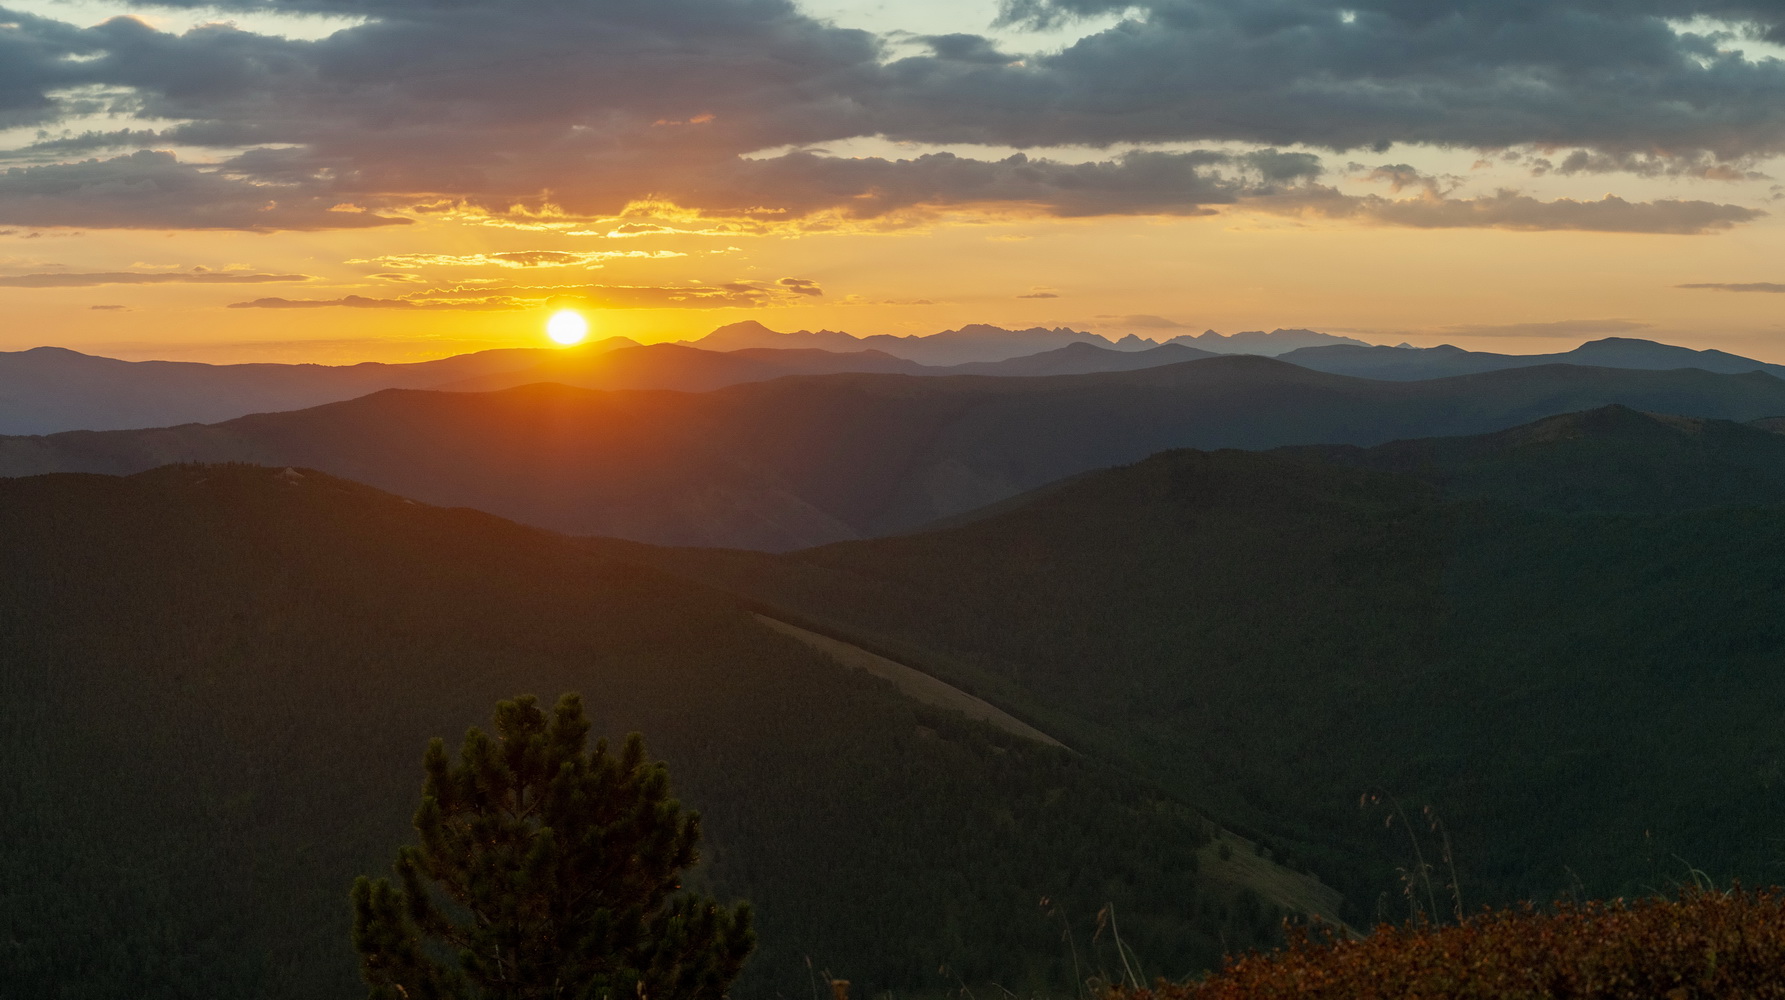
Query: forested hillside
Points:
[218, 681]
[1563, 639]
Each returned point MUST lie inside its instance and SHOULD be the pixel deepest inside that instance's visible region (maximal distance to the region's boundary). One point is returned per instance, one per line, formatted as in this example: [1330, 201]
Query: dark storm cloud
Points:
[34, 61]
[1137, 182]
[1605, 74]
[592, 104]
[967, 49]
[141, 278]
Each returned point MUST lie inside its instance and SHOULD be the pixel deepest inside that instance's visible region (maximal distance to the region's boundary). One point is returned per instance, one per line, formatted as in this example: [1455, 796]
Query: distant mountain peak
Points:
[742, 327]
[1276, 342]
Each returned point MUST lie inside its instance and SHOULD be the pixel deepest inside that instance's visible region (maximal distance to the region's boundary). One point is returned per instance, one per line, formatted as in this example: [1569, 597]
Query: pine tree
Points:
[546, 872]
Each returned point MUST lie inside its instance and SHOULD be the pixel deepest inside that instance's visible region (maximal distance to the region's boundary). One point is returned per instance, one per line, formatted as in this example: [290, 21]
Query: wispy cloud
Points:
[516, 259]
[480, 297]
[1144, 321]
[1553, 328]
[1737, 286]
[362, 302]
[138, 278]
[1511, 210]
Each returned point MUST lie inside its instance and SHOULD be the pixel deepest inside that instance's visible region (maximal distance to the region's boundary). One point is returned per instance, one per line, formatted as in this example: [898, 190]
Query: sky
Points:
[338, 181]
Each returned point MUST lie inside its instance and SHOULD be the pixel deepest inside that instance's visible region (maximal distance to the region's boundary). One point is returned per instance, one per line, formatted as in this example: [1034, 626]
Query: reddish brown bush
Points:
[1701, 945]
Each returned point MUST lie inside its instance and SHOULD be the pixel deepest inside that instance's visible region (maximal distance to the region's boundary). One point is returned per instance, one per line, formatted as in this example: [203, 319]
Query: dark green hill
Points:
[1613, 458]
[216, 683]
[1580, 677]
[1398, 363]
[804, 460]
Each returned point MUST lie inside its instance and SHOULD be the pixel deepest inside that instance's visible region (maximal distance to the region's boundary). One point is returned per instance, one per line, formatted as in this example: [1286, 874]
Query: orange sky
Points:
[1419, 241]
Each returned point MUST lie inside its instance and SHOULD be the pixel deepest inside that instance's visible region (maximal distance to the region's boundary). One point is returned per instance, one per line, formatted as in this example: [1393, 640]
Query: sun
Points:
[567, 327]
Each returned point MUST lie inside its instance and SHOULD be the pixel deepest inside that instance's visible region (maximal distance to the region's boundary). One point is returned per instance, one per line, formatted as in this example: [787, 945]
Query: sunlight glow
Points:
[567, 327]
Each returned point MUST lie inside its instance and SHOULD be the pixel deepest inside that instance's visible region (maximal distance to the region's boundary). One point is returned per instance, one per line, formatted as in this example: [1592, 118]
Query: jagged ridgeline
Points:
[218, 682]
[1565, 638]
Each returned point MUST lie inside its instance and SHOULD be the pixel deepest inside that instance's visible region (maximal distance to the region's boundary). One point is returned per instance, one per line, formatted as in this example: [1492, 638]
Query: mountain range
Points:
[978, 342]
[46, 390]
[801, 461]
[49, 390]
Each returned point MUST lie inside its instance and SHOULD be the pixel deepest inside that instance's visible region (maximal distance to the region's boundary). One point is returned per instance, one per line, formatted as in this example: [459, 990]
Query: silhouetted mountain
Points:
[1552, 636]
[218, 681]
[49, 389]
[974, 342]
[1273, 344]
[804, 460]
[686, 369]
[1411, 363]
[750, 334]
[1082, 359]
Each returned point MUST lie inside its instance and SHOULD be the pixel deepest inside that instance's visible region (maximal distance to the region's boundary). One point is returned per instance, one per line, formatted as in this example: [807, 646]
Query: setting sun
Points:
[567, 327]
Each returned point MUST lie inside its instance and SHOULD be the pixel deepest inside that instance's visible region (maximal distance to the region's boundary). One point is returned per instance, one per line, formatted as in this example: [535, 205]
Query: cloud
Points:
[1695, 164]
[1610, 76]
[572, 106]
[87, 142]
[137, 278]
[735, 294]
[151, 190]
[1137, 182]
[1743, 286]
[361, 302]
[1040, 295]
[516, 259]
[1507, 209]
[110, 308]
[966, 49]
[1556, 328]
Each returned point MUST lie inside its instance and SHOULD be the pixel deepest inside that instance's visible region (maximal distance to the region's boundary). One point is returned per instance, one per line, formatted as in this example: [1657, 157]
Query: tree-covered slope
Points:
[216, 683]
[1565, 639]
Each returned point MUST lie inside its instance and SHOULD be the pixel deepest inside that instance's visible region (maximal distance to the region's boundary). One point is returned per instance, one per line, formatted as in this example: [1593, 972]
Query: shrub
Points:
[1702, 944]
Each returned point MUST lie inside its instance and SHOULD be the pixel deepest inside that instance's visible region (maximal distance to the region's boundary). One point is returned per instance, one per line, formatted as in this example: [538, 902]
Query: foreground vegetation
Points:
[1702, 944]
